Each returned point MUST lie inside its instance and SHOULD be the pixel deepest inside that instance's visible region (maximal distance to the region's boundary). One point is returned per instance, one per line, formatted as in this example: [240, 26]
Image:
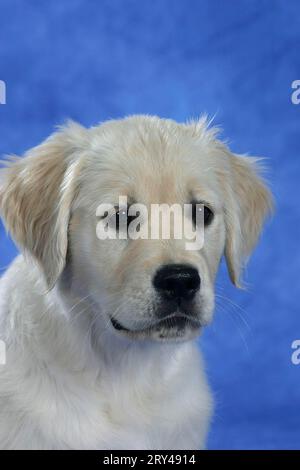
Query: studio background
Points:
[235, 60]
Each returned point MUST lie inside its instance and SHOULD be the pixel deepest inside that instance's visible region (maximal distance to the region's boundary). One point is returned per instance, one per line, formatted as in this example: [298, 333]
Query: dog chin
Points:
[174, 329]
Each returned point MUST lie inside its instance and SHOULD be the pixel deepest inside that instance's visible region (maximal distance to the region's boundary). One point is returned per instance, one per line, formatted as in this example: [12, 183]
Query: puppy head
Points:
[143, 288]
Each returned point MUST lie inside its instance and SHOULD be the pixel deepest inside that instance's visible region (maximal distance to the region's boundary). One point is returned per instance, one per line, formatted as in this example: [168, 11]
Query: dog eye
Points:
[122, 213]
[208, 213]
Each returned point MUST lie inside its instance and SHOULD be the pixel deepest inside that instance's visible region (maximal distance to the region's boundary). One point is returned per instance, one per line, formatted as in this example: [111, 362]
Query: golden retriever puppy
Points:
[100, 332]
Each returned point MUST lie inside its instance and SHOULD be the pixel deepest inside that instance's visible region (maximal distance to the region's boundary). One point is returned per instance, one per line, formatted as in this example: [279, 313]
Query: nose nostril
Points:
[176, 281]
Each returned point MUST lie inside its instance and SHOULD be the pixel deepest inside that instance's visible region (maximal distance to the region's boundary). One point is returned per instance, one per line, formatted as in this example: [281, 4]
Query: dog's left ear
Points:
[248, 202]
[36, 196]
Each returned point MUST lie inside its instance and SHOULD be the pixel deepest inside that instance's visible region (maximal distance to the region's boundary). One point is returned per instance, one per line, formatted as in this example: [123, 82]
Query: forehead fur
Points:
[145, 156]
[151, 137]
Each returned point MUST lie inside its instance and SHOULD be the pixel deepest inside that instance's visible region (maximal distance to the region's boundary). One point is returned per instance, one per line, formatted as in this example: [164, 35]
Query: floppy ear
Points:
[248, 202]
[36, 195]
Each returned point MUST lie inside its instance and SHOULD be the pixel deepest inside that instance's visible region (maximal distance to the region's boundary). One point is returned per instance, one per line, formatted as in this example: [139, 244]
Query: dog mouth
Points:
[176, 326]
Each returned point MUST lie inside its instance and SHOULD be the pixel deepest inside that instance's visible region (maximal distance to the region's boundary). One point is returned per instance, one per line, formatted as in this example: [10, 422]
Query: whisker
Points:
[241, 334]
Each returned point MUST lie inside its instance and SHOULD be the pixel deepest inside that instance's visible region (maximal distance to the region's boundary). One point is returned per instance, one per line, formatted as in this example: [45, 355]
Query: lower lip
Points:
[176, 325]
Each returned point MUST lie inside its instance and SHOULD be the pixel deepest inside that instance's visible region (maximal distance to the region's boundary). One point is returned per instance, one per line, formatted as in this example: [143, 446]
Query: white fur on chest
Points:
[135, 410]
[59, 394]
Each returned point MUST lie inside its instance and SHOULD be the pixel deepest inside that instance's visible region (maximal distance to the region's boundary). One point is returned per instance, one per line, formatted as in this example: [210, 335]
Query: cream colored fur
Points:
[71, 381]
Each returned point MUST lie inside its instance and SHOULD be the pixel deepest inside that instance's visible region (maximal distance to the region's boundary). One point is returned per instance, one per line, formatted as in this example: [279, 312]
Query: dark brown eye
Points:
[208, 213]
[123, 219]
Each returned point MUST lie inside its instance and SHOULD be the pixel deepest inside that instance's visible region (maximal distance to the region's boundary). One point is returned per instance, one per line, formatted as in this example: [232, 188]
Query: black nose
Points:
[177, 281]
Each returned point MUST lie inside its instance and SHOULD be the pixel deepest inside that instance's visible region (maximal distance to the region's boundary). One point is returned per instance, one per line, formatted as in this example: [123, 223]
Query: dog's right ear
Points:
[36, 194]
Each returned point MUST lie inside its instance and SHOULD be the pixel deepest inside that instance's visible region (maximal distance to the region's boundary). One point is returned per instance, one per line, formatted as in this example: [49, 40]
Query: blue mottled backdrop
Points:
[92, 60]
